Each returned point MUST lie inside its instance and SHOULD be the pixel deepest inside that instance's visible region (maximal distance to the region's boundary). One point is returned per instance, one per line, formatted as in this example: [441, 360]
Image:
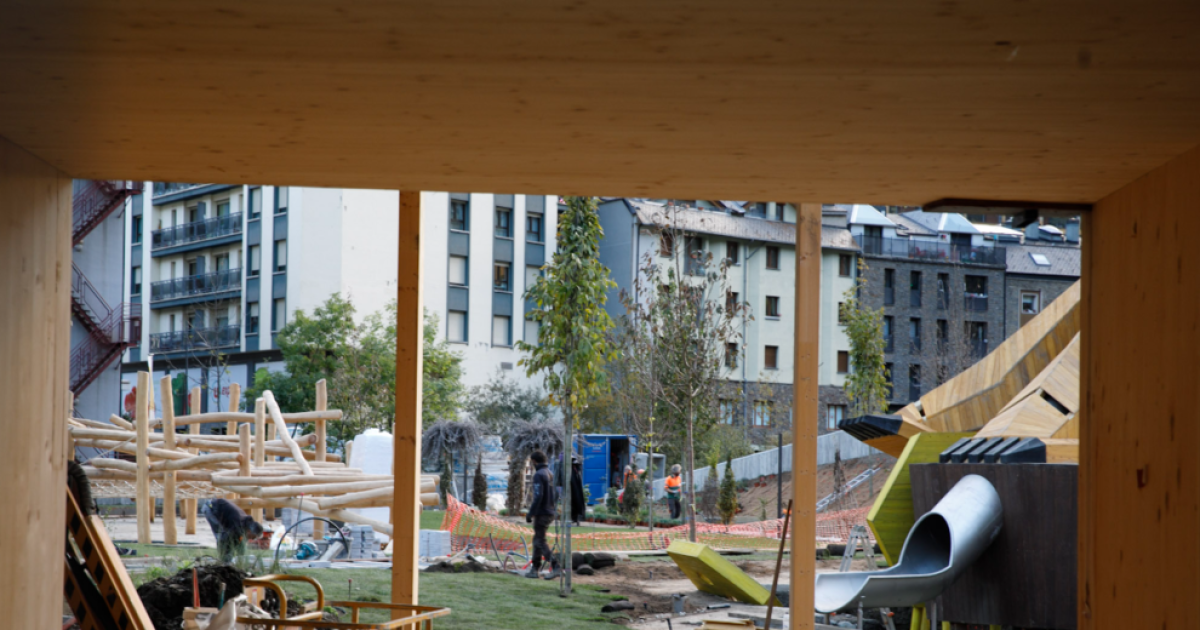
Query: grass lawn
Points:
[432, 519]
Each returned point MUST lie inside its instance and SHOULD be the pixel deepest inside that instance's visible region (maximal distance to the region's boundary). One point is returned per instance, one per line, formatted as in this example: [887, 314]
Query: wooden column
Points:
[142, 423]
[191, 505]
[170, 535]
[235, 398]
[1139, 485]
[154, 427]
[406, 515]
[322, 405]
[804, 414]
[35, 289]
[260, 440]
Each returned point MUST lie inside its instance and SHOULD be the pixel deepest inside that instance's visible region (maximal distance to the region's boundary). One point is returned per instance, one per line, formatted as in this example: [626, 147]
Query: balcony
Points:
[196, 339]
[931, 251]
[975, 302]
[197, 231]
[198, 285]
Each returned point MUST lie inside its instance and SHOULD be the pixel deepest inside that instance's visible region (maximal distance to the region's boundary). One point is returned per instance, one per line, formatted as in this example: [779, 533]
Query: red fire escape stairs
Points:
[111, 330]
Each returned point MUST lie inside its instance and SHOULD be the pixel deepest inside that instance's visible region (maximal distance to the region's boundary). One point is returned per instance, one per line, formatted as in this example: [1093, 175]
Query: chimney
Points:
[1073, 231]
[1032, 232]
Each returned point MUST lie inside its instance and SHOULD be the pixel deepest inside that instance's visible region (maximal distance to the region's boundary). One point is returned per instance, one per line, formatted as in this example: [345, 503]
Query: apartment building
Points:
[219, 269]
[759, 239]
[483, 251]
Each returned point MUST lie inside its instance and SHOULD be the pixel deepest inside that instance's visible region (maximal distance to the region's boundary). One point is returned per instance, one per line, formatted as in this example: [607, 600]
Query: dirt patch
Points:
[165, 598]
[470, 565]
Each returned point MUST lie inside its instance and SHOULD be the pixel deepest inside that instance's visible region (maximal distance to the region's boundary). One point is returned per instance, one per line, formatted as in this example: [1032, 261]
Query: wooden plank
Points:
[191, 506]
[321, 404]
[406, 513]
[804, 413]
[891, 517]
[260, 440]
[1026, 578]
[297, 454]
[145, 505]
[170, 534]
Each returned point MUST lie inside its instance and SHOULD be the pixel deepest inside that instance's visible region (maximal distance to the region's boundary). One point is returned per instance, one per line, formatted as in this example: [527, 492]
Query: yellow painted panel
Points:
[892, 515]
[714, 574]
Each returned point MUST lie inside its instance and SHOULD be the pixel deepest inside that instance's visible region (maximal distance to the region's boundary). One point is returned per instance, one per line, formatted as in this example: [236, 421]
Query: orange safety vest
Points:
[673, 484]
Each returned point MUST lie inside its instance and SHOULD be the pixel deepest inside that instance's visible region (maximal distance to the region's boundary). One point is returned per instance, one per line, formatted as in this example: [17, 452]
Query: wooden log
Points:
[307, 505]
[321, 404]
[192, 505]
[246, 456]
[280, 471]
[406, 452]
[115, 464]
[121, 422]
[170, 534]
[202, 476]
[300, 417]
[227, 480]
[84, 423]
[281, 428]
[260, 443]
[104, 434]
[309, 490]
[379, 493]
[198, 461]
[232, 447]
[142, 467]
[231, 427]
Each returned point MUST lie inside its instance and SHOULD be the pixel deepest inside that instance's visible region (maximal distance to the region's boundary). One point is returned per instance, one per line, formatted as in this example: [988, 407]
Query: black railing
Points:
[931, 251]
[197, 231]
[975, 302]
[215, 282]
[196, 339]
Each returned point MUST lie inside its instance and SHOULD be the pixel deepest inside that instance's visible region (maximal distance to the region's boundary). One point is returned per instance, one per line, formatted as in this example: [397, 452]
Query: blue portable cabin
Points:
[604, 455]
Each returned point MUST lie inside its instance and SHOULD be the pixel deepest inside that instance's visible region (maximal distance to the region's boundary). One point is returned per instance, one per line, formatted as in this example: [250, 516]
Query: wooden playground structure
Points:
[244, 465]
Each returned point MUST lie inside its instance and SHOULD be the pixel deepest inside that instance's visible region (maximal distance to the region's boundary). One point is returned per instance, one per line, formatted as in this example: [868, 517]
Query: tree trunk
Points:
[568, 449]
[691, 483]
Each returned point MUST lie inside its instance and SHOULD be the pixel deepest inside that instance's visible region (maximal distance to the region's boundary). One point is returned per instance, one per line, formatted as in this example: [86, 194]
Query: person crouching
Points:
[232, 527]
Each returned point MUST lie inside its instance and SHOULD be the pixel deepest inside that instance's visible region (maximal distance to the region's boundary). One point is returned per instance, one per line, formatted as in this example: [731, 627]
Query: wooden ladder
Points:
[95, 582]
[858, 537]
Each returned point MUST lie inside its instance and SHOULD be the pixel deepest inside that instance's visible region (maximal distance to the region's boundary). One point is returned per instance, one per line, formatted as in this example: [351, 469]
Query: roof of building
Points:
[997, 230]
[908, 227]
[1041, 260]
[863, 214]
[942, 222]
[722, 224]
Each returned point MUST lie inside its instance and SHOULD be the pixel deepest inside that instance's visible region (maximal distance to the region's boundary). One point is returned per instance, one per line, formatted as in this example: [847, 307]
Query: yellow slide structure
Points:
[714, 574]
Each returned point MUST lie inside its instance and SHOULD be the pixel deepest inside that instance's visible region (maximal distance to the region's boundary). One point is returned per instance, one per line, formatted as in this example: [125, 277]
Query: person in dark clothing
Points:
[541, 513]
[578, 501]
[232, 527]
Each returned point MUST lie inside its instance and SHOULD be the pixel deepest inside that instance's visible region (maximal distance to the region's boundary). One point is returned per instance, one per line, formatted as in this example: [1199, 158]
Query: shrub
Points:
[728, 503]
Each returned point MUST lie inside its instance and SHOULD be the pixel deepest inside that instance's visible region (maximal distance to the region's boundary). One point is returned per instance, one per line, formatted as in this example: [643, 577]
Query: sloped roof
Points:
[998, 230]
[738, 227]
[1064, 261]
[947, 222]
[863, 214]
[910, 227]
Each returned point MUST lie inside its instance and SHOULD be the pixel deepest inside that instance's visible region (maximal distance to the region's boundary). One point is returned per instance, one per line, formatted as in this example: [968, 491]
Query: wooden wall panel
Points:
[804, 414]
[35, 276]
[1139, 557]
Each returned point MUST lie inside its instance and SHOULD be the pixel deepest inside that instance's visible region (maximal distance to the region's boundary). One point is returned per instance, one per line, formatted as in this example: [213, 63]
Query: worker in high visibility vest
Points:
[674, 485]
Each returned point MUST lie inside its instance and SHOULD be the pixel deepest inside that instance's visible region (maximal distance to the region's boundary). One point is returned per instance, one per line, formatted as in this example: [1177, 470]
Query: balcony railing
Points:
[197, 231]
[975, 302]
[196, 339]
[203, 284]
[931, 251]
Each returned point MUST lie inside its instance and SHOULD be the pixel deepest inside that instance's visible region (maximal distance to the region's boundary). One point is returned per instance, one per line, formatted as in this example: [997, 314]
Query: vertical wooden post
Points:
[804, 414]
[243, 433]
[235, 399]
[170, 535]
[142, 420]
[35, 297]
[260, 441]
[70, 413]
[192, 505]
[406, 515]
[322, 405]
[154, 427]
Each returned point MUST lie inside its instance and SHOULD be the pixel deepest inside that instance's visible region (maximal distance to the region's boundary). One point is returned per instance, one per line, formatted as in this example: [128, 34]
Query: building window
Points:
[1031, 305]
[222, 262]
[731, 352]
[252, 318]
[977, 338]
[780, 211]
[887, 333]
[943, 290]
[135, 281]
[532, 274]
[914, 335]
[977, 293]
[757, 209]
[889, 287]
[533, 228]
[666, 244]
[834, 415]
[223, 208]
[887, 379]
[772, 257]
[726, 411]
[459, 219]
[195, 213]
[255, 256]
[845, 265]
[504, 222]
[280, 256]
[501, 330]
[502, 277]
[456, 326]
[914, 289]
[279, 318]
[772, 306]
[731, 301]
[457, 273]
[771, 357]
[731, 252]
[532, 328]
[255, 203]
[762, 413]
[136, 231]
[843, 365]
[943, 335]
[281, 199]
[171, 322]
[914, 382]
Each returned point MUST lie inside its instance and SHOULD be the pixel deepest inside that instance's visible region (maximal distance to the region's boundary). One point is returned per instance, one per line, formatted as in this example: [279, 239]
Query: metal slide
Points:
[941, 545]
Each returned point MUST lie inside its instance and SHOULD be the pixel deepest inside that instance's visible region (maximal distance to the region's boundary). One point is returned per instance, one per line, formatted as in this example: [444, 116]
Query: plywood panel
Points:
[1140, 477]
[35, 259]
[892, 102]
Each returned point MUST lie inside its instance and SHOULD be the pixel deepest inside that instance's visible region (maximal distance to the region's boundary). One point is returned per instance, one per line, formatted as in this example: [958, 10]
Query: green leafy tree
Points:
[727, 505]
[573, 337]
[498, 404]
[442, 391]
[866, 384]
[479, 493]
[631, 500]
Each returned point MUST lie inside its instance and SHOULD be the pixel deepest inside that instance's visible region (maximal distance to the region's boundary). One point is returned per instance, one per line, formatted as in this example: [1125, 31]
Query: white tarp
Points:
[372, 452]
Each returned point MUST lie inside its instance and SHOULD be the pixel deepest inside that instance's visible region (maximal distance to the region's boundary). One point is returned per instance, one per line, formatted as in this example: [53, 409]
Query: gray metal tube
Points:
[941, 545]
